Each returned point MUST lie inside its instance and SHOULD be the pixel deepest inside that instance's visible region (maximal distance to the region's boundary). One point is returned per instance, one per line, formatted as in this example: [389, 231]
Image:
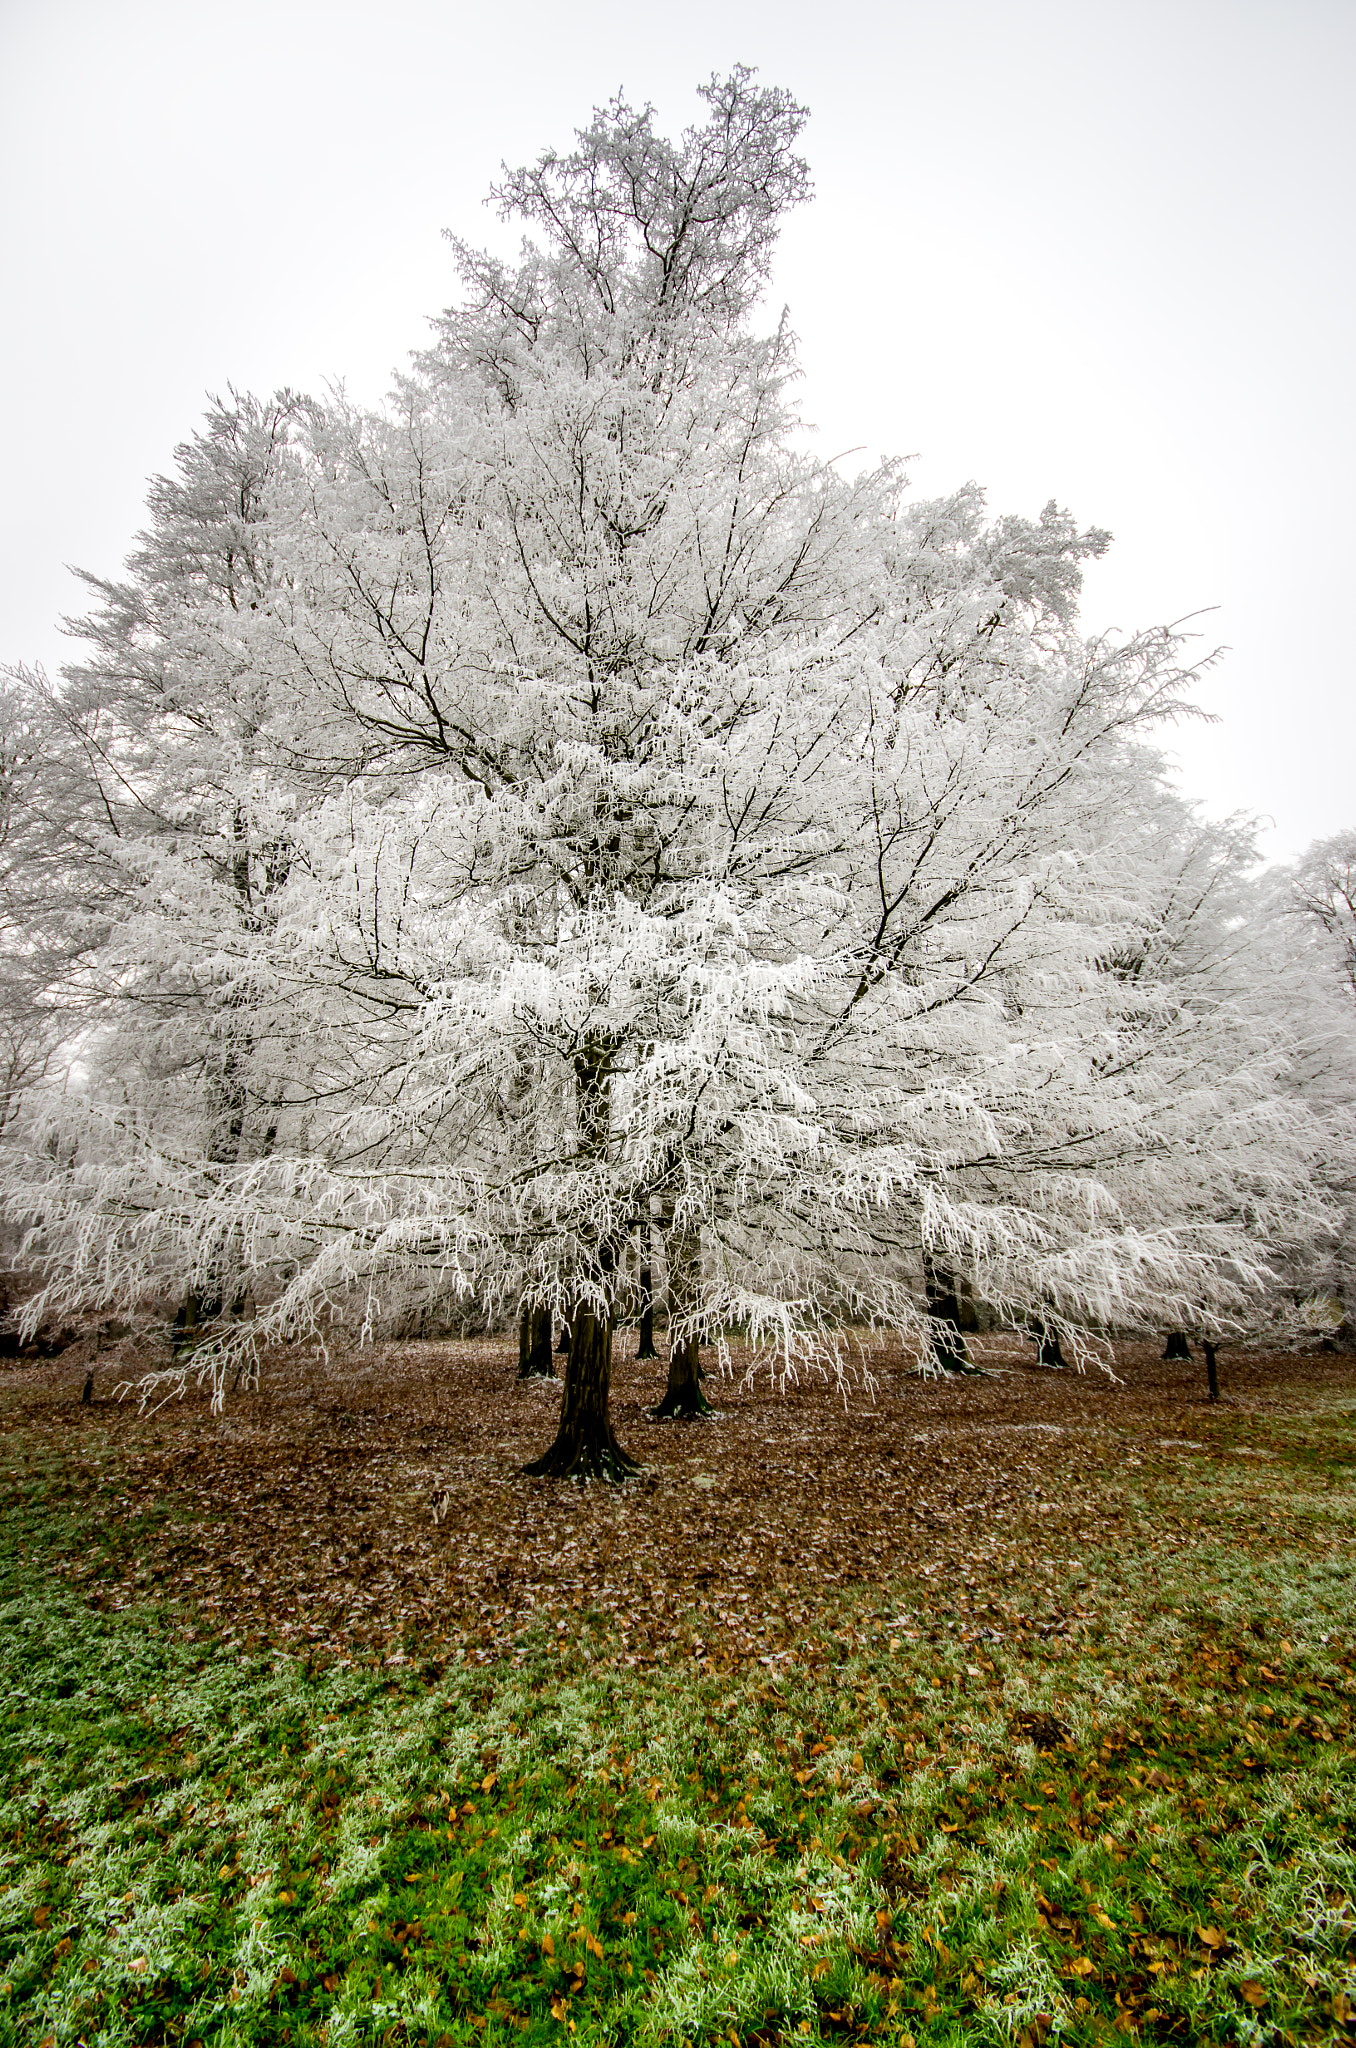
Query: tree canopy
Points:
[555, 805]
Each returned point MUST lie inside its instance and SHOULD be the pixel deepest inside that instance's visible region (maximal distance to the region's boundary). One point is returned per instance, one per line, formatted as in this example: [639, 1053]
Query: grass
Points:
[1142, 1828]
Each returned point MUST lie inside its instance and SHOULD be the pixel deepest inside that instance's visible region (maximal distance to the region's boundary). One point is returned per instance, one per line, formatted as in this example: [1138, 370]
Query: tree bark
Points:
[1176, 1346]
[1049, 1352]
[948, 1345]
[646, 1347]
[585, 1447]
[1211, 1375]
[683, 1397]
[534, 1345]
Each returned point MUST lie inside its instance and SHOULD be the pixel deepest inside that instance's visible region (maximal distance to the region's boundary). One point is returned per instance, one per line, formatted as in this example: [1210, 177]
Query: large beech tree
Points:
[643, 825]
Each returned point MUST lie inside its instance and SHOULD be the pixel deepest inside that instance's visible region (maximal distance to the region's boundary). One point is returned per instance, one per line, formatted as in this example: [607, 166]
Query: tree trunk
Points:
[585, 1447]
[1211, 1376]
[646, 1348]
[683, 1397]
[196, 1309]
[1176, 1346]
[534, 1345]
[948, 1345]
[1049, 1352]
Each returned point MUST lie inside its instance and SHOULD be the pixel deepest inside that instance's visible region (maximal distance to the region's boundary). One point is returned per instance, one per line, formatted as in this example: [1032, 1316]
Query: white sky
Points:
[1096, 251]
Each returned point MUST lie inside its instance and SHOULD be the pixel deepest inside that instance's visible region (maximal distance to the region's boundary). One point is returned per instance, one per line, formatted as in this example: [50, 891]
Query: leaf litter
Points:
[1009, 1709]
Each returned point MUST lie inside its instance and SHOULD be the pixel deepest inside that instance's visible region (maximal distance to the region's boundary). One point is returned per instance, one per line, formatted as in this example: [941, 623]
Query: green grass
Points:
[1146, 1827]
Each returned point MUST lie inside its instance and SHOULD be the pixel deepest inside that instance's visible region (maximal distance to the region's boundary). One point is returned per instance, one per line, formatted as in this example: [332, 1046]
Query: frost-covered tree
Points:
[1310, 926]
[643, 824]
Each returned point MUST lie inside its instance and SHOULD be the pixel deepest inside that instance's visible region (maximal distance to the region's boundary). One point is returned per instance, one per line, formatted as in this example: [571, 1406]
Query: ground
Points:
[1007, 1708]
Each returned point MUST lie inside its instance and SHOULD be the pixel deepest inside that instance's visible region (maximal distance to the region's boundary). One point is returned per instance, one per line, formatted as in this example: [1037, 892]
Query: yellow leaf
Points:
[1082, 1966]
[1254, 1993]
[1210, 1937]
[548, 1947]
[857, 1760]
[137, 1965]
[487, 1784]
[520, 1898]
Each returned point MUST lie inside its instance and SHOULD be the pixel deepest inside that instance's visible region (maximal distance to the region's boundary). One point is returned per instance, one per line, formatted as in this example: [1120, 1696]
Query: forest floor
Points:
[1010, 1709]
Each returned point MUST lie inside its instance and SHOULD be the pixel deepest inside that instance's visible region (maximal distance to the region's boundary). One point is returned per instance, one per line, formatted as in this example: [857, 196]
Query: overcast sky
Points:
[1097, 252]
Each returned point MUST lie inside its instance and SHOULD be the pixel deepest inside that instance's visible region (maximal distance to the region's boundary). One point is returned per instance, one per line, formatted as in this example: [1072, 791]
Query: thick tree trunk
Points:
[534, 1345]
[1211, 1375]
[1176, 1346]
[585, 1447]
[683, 1396]
[948, 1345]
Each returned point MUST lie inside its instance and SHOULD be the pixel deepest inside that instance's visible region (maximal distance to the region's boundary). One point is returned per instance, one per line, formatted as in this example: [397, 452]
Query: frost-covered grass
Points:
[877, 1844]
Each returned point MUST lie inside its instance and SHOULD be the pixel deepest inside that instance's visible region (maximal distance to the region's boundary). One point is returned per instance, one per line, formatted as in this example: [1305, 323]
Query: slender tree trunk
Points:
[534, 1345]
[1211, 1375]
[1049, 1352]
[948, 1345]
[683, 1397]
[646, 1347]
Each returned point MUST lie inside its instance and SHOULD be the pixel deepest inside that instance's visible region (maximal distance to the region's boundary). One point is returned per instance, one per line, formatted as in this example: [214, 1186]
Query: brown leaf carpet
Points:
[372, 1507]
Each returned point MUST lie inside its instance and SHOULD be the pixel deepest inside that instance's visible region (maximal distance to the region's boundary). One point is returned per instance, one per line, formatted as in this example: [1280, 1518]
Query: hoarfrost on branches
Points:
[554, 808]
